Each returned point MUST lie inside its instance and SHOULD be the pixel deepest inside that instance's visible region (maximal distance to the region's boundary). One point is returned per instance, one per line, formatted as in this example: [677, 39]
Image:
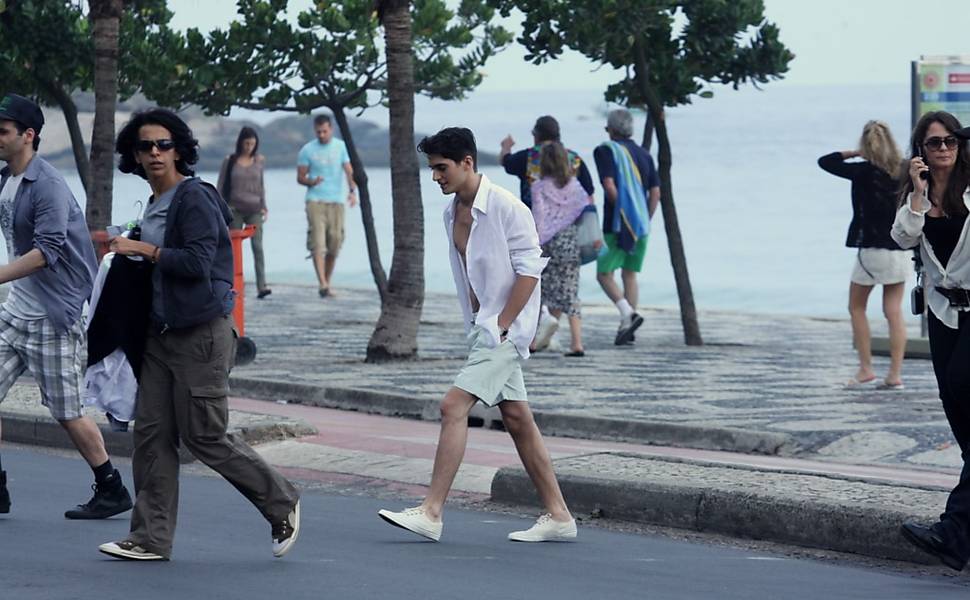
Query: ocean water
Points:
[763, 226]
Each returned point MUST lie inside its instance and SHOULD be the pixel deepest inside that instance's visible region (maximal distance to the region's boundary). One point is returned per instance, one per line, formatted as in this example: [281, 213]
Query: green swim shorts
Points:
[616, 258]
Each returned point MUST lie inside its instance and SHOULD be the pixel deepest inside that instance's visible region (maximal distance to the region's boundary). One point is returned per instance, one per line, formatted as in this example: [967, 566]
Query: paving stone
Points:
[772, 373]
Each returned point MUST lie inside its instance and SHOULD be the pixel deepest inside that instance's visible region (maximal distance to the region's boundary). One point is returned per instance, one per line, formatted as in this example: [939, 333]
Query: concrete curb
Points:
[822, 523]
[359, 400]
[43, 431]
[555, 424]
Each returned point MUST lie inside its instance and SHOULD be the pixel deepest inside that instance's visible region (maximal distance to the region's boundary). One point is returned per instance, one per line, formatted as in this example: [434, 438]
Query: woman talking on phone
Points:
[933, 215]
[879, 260]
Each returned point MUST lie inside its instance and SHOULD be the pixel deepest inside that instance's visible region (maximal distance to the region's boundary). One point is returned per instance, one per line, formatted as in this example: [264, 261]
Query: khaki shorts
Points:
[325, 227]
[491, 374]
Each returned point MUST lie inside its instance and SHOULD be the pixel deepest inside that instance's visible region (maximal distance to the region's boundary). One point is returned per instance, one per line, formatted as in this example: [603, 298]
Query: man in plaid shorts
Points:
[51, 267]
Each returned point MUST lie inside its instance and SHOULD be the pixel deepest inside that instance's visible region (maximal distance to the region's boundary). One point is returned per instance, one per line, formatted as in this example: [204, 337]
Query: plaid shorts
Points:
[55, 360]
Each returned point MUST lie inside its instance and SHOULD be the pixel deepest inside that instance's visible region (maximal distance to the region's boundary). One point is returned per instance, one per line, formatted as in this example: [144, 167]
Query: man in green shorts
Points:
[631, 187]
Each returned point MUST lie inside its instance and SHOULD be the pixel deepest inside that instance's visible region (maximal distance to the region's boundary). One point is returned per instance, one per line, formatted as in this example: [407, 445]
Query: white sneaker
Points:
[286, 532]
[547, 328]
[546, 530]
[415, 520]
[128, 551]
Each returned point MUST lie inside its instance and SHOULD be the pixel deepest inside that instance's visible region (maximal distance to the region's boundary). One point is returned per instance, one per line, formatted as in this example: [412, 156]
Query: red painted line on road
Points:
[350, 430]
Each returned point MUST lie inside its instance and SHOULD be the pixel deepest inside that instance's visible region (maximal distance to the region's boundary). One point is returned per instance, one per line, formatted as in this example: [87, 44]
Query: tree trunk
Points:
[366, 210]
[69, 109]
[396, 333]
[105, 17]
[688, 312]
[647, 133]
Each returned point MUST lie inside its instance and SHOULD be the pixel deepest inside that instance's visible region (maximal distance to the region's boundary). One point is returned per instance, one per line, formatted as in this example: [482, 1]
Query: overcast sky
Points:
[834, 41]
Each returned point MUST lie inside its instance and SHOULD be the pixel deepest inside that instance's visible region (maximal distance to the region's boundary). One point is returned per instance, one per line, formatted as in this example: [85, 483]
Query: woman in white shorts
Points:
[879, 260]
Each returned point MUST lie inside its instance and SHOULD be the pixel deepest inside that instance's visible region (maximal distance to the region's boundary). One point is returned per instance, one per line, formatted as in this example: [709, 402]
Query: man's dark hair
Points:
[454, 143]
[21, 128]
[320, 120]
[546, 129]
[185, 144]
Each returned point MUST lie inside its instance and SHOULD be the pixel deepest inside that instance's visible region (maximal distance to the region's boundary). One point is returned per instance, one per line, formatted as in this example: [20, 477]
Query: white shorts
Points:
[879, 266]
[491, 374]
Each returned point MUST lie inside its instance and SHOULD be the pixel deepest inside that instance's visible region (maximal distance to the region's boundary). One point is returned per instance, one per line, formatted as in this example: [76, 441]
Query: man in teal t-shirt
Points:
[319, 167]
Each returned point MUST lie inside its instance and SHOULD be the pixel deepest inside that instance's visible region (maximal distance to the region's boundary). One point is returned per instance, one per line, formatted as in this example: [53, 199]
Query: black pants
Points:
[950, 349]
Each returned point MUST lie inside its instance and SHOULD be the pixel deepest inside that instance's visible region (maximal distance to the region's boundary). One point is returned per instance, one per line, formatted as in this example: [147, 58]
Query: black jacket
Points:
[874, 196]
[196, 258]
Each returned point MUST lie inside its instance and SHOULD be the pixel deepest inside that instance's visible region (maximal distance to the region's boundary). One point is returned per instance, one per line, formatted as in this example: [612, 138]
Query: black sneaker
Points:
[110, 498]
[625, 334]
[929, 541]
[129, 550]
[285, 532]
[4, 494]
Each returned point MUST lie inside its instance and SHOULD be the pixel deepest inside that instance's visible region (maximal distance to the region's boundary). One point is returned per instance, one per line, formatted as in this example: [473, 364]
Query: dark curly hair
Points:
[185, 143]
[454, 143]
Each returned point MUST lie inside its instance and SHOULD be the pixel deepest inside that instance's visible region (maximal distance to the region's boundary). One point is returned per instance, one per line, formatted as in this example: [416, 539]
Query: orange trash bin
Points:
[246, 348]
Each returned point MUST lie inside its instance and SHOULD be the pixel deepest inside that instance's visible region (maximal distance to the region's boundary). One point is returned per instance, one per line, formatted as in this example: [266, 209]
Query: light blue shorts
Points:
[491, 374]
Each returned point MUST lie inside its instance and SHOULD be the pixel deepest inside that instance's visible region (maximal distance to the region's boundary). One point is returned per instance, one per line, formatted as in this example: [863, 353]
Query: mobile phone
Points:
[922, 174]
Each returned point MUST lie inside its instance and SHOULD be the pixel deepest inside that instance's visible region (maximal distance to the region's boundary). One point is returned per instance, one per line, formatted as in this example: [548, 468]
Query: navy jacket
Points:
[196, 259]
[46, 216]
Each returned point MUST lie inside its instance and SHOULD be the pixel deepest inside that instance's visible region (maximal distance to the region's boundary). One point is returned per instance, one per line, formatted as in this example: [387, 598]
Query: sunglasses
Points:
[147, 145]
[938, 143]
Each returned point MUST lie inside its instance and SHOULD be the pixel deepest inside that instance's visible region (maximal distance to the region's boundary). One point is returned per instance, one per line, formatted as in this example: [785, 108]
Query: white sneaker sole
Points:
[282, 550]
[116, 551]
[525, 536]
[391, 518]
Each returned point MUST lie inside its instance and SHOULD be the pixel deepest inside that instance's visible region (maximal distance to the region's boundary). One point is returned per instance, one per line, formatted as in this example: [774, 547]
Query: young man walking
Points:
[52, 266]
[631, 188]
[320, 165]
[496, 262]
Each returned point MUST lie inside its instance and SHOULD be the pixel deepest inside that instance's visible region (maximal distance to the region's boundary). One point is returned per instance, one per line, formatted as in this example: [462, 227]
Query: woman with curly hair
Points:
[190, 344]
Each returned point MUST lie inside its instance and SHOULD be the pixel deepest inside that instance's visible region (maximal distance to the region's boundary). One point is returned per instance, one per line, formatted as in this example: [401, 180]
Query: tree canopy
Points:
[48, 53]
[687, 45]
[331, 56]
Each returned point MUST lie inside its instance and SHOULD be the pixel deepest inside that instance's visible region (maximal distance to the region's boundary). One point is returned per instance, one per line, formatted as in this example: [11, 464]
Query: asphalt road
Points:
[345, 551]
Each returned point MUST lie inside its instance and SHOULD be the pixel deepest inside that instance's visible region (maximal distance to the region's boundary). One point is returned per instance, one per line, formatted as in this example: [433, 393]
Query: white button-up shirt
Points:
[502, 244]
[908, 232]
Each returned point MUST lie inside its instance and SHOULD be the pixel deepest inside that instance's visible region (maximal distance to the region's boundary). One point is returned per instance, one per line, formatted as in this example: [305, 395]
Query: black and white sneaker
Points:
[4, 494]
[128, 550]
[285, 532]
[627, 328]
[110, 498]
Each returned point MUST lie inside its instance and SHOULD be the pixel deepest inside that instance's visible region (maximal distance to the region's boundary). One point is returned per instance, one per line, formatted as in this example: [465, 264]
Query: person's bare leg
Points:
[609, 286]
[892, 301]
[451, 449]
[87, 438]
[858, 298]
[329, 263]
[518, 421]
[575, 333]
[631, 290]
[318, 266]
